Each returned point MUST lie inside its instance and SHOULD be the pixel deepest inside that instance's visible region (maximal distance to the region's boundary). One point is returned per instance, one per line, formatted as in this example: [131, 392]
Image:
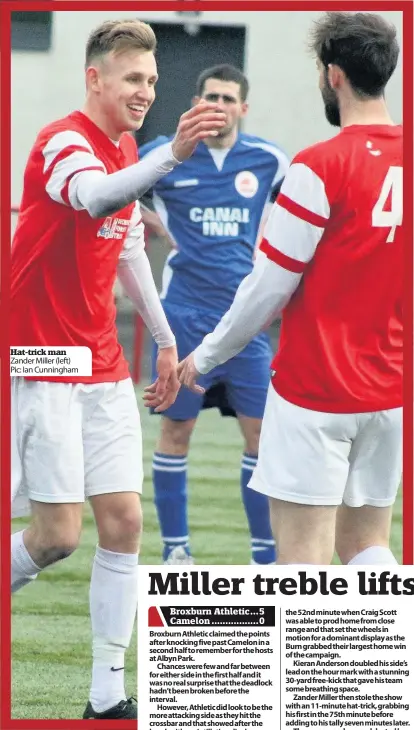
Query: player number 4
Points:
[392, 188]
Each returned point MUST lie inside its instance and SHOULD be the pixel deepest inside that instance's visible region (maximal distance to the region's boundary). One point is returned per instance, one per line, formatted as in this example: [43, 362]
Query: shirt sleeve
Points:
[77, 178]
[136, 278]
[103, 195]
[152, 145]
[145, 150]
[65, 155]
[297, 220]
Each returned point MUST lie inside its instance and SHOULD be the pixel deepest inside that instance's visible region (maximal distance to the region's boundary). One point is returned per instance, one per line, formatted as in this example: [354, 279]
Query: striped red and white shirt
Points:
[332, 260]
[63, 261]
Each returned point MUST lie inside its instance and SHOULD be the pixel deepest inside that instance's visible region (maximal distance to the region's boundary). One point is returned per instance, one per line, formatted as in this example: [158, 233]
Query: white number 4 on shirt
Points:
[393, 184]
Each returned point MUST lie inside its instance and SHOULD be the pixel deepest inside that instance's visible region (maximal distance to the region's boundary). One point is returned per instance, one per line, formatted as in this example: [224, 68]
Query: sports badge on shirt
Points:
[246, 184]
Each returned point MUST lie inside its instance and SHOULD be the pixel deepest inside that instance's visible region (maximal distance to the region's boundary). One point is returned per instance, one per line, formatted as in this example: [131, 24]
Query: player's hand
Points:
[188, 374]
[162, 394]
[153, 222]
[203, 120]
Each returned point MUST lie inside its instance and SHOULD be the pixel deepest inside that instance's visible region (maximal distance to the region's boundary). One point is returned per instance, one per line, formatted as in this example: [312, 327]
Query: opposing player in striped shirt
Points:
[332, 260]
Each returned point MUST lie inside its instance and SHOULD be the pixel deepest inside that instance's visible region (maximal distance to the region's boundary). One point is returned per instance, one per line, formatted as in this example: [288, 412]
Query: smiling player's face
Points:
[124, 85]
[227, 95]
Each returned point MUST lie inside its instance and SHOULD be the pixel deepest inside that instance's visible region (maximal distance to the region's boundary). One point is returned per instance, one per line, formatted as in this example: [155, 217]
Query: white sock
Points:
[23, 569]
[374, 556]
[113, 606]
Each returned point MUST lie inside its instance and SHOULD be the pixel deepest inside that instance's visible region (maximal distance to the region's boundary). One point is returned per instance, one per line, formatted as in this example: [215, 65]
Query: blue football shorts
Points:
[239, 386]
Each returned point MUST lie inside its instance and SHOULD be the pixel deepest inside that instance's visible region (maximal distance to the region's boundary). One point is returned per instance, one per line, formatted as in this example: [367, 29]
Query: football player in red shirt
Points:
[75, 437]
[332, 259]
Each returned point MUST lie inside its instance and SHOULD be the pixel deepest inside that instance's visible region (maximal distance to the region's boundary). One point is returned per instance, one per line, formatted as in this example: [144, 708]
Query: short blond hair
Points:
[119, 36]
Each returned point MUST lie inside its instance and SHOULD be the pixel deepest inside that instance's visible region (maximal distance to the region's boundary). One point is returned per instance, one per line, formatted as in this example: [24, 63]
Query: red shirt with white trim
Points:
[63, 262]
[338, 221]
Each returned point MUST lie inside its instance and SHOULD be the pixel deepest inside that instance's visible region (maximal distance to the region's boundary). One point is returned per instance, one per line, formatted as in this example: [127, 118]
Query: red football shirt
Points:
[63, 262]
[341, 345]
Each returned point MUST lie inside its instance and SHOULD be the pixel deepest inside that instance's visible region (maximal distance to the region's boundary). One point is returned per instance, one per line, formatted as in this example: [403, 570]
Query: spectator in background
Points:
[211, 208]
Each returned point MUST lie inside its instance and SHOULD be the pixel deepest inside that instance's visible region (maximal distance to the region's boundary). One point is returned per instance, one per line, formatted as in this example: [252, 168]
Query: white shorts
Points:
[71, 441]
[315, 458]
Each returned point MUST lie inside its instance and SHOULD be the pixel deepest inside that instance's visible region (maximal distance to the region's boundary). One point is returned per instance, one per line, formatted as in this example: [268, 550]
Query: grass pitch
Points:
[50, 624]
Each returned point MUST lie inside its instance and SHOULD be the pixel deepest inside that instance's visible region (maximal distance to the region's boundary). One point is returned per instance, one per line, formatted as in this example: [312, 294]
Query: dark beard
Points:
[330, 101]
[332, 115]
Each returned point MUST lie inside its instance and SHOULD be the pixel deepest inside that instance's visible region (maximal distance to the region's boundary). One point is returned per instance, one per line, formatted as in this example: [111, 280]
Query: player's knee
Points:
[175, 436]
[54, 546]
[54, 532]
[130, 525]
[120, 529]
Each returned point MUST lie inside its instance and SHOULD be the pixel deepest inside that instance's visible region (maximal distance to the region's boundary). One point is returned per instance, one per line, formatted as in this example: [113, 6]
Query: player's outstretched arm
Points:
[259, 299]
[295, 227]
[113, 192]
[77, 178]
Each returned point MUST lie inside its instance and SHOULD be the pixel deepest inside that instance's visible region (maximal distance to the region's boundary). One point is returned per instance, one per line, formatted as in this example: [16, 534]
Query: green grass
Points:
[50, 624]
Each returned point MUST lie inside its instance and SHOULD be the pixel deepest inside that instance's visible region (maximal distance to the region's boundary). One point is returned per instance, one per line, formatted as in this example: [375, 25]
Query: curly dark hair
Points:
[363, 45]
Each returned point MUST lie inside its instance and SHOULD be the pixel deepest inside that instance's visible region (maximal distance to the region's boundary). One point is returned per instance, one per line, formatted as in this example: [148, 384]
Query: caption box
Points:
[229, 647]
[43, 362]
